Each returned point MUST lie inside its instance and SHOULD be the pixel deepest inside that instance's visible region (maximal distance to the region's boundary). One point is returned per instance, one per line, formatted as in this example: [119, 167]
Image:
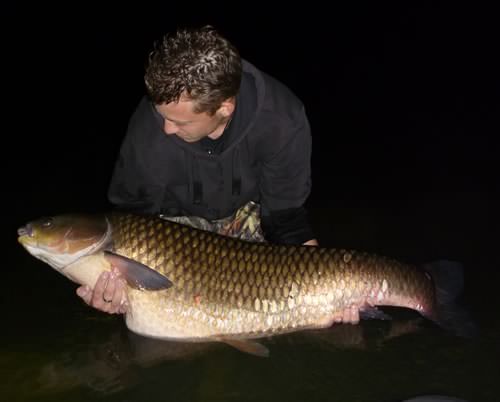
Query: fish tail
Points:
[449, 314]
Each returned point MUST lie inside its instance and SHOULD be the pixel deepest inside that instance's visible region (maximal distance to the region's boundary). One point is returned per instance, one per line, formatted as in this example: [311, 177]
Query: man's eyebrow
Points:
[175, 121]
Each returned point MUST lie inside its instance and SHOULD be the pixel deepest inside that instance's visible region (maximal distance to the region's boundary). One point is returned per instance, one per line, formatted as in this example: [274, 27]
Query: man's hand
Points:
[312, 242]
[108, 295]
[350, 315]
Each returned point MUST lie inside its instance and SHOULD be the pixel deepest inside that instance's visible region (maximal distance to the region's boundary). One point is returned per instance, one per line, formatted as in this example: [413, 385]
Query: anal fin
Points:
[247, 346]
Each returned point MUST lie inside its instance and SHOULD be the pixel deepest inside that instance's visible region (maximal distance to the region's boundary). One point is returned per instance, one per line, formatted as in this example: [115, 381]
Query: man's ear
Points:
[226, 109]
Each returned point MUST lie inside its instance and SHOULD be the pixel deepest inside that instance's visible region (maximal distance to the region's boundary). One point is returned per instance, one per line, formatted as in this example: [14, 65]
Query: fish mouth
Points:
[26, 235]
[25, 231]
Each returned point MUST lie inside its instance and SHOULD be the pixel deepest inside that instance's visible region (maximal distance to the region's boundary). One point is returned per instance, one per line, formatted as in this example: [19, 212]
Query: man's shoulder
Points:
[143, 117]
[143, 108]
[272, 92]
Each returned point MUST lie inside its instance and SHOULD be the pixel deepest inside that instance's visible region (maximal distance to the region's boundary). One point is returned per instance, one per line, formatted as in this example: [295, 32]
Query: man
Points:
[217, 144]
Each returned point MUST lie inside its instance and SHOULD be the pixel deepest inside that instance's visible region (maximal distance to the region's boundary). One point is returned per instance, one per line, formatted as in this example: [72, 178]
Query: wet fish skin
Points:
[224, 288]
[255, 289]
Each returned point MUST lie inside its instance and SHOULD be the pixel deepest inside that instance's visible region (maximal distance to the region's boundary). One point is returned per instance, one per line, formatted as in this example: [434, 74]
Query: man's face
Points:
[180, 119]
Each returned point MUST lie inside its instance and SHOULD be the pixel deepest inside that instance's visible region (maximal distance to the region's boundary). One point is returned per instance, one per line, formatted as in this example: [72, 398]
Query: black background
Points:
[402, 100]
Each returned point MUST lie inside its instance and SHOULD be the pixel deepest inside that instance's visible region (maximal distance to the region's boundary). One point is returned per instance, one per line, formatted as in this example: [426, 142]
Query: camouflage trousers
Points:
[243, 224]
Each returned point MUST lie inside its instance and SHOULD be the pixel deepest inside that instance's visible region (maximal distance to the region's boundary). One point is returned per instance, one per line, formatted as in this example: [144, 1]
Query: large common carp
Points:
[193, 285]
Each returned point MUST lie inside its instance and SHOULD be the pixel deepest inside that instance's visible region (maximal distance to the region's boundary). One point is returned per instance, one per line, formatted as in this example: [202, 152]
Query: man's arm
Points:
[290, 226]
[286, 183]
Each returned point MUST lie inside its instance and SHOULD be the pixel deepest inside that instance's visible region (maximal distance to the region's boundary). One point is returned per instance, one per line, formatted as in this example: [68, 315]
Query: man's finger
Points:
[98, 294]
[109, 290]
[119, 289]
[85, 293]
[354, 316]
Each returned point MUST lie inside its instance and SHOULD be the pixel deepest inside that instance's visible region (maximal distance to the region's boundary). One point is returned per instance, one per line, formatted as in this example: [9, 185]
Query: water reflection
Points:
[111, 363]
[63, 350]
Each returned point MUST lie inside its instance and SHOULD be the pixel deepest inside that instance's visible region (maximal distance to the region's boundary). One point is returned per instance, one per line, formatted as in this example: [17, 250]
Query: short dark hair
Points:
[199, 62]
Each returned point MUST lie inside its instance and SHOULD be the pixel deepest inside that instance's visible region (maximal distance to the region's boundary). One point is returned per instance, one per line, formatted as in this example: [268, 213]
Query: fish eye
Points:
[47, 222]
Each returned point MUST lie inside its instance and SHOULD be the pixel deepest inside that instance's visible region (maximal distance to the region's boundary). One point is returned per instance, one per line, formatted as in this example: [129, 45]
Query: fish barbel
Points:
[192, 285]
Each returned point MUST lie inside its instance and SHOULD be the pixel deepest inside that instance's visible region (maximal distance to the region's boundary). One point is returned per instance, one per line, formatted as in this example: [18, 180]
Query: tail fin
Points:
[449, 283]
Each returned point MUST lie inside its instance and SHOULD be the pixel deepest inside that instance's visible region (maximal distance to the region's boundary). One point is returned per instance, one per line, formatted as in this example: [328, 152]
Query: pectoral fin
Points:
[248, 346]
[138, 275]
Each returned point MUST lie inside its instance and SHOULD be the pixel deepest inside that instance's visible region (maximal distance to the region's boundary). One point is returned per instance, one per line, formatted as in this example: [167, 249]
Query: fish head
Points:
[63, 239]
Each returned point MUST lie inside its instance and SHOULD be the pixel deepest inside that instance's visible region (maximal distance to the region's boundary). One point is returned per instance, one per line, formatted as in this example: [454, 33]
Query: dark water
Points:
[54, 348]
[404, 113]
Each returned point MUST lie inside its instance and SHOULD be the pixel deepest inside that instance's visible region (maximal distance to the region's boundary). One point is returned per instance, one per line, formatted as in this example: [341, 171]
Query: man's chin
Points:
[189, 139]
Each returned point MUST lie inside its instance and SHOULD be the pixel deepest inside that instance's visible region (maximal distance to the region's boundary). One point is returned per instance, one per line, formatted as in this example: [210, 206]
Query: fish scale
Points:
[188, 284]
[239, 288]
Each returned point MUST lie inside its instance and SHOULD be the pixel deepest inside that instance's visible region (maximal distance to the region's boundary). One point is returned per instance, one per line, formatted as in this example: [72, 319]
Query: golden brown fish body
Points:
[228, 288]
[223, 286]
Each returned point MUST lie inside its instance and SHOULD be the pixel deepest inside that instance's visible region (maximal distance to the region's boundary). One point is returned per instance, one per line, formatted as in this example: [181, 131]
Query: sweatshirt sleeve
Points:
[130, 187]
[289, 226]
[286, 183]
